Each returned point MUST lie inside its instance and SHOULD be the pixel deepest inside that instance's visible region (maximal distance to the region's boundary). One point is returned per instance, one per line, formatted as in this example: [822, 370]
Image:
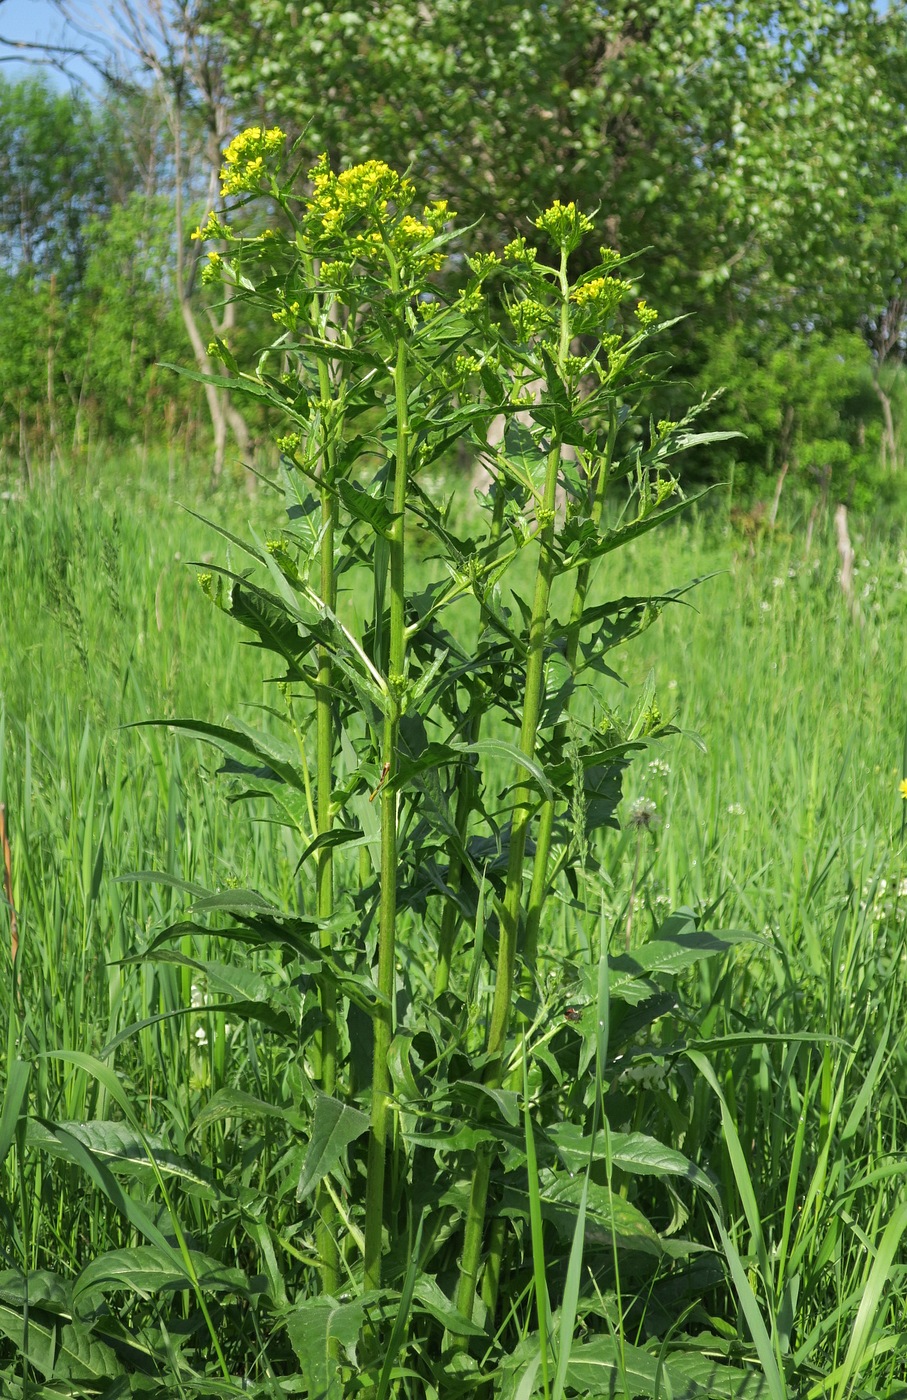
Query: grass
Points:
[788, 822]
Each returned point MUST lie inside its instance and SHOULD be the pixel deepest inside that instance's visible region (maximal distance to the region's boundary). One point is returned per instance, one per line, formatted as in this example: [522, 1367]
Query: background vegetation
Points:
[753, 149]
[789, 820]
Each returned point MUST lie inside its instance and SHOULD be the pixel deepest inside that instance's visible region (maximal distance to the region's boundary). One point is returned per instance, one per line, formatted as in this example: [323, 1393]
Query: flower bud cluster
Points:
[564, 225]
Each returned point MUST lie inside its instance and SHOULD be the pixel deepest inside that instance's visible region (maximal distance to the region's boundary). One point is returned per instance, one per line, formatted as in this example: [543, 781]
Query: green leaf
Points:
[607, 1214]
[672, 955]
[635, 1153]
[370, 509]
[437, 1304]
[227, 740]
[499, 748]
[315, 1327]
[121, 1148]
[334, 1127]
[146, 1271]
[13, 1099]
[235, 1103]
[615, 539]
[608, 1365]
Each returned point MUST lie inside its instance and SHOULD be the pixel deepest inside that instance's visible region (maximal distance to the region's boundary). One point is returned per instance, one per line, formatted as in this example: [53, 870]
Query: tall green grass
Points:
[787, 817]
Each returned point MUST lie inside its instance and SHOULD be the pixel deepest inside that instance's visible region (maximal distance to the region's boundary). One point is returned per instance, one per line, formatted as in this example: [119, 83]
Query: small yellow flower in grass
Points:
[902, 788]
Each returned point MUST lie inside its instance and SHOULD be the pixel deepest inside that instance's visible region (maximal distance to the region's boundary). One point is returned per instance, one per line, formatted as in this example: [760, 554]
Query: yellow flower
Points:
[601, 294]
[902, 788]
[244, 159]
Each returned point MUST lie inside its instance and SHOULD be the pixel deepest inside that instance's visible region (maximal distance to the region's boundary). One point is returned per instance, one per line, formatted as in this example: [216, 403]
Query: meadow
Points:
[777, 811]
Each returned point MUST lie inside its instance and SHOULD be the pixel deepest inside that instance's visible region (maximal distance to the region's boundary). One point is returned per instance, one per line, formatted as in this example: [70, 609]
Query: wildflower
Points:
[601, 294]
[201, 1035]
[646, 315]
[520, 252]
[902, 788]
[736, 809]
[244, 159]
[213, 227]
[643, 814]
[777, 583]
[529, 317]
[437, 214]
[564, 225]
[659, 769]
[483, 263]
[340, 201]
[469, 302]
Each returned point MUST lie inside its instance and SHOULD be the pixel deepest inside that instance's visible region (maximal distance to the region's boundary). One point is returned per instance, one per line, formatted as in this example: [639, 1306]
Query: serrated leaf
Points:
[146, 1270]
[606, 1365]
[120, 1147]
[369, 509]
[235, 1103]
[334, 1127]
[635, 1153]
[436, 1302]
[315, 1327]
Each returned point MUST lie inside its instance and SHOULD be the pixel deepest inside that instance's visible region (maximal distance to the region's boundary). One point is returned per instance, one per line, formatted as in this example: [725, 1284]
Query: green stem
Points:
[509, 913]
[540, 881]
[541, 877]
[450, 918]
[387, 910]
[326, 1232]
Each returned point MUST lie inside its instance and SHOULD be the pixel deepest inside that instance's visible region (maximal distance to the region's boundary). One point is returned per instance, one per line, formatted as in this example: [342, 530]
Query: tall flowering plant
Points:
[442, 749]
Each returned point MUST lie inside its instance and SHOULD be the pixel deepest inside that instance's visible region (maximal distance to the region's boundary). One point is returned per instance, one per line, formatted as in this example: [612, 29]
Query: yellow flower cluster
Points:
[213, 227]
[646, 315]
[287, 315]
[245, 158]
[340, 201]
[367, 207]
[565, 225]
[601, 294]
[483, 263]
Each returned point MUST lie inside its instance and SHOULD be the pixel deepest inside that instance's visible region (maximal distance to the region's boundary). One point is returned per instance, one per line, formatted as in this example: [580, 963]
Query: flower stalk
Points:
[524, 804]
[387, 909]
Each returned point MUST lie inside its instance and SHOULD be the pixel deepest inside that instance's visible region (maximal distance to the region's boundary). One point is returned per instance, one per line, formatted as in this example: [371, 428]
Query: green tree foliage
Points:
[53, 176]
[752, 147]
[87, 306]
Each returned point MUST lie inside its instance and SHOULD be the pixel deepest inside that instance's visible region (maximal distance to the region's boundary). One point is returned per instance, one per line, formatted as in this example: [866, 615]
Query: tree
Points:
[752, 147]
[164, 40]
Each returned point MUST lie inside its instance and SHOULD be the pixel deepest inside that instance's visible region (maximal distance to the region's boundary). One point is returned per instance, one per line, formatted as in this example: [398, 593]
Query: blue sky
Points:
[39, 21]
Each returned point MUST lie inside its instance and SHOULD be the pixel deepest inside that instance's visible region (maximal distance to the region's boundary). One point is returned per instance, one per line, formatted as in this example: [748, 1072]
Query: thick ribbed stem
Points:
[387, 911]
[509, 914]
[326, 1233]
[450, 918]
[539, 889]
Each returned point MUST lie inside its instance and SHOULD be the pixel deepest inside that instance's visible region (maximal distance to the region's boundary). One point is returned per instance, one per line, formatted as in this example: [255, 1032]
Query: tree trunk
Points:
[215, 398]
[889, 437]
